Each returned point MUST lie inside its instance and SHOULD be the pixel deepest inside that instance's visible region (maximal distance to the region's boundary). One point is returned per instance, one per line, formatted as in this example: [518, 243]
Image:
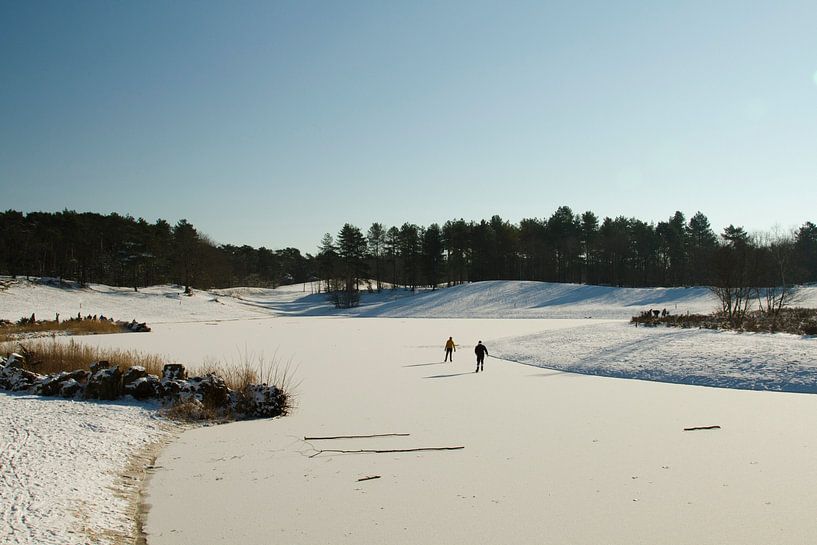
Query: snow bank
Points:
[750, 361]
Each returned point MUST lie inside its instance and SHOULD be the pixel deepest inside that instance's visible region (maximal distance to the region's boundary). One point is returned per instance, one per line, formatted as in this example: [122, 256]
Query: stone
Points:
[211, 390]
[105, 384]
[174, 371]
[98, 365]
[52, 385]
[17, 379]
[147, 387]
[133, 373]
[171, 389]
[70, 388]
[261, 401]
[15, 360]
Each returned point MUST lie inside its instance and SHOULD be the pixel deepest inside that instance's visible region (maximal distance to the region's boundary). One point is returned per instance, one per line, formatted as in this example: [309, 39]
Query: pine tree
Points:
[376, 240]
[352, 253]
[700, 246]
[432, 254]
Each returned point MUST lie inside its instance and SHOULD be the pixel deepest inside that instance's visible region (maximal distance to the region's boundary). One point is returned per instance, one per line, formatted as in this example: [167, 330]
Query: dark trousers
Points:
[480, 361]
[449, 354]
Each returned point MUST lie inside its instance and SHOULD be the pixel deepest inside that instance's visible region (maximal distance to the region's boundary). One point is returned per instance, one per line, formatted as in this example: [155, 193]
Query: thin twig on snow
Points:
[382, 451]
[356, 436]
[703, 428]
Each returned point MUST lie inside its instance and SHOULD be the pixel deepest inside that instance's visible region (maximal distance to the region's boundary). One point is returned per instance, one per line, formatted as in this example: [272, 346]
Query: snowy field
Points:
[550, 456]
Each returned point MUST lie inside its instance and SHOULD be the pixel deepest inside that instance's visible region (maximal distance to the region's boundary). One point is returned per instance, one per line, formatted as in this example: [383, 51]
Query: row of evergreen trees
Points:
[123, 251]
[566, 247]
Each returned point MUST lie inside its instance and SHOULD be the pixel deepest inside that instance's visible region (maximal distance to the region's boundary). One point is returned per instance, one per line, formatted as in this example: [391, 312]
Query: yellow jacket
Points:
[449, 344]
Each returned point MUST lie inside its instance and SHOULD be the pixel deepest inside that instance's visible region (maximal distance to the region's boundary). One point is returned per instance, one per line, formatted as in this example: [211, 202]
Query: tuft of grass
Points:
[47, 356]
[250, 368]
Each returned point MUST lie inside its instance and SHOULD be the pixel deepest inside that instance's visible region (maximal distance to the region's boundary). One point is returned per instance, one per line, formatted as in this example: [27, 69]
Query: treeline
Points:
[567, 247]
[123, 251]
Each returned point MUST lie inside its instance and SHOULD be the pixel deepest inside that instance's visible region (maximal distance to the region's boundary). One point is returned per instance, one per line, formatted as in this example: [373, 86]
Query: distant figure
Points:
[450, 348]
[656, 313]
[481, 352]
[664, 313]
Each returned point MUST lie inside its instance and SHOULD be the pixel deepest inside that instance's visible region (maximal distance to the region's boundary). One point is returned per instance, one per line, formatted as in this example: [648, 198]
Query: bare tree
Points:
[775, 291]
[731, 275]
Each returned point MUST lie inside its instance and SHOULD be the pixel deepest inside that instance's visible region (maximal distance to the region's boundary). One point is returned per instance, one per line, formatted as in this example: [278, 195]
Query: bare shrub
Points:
[797, 321]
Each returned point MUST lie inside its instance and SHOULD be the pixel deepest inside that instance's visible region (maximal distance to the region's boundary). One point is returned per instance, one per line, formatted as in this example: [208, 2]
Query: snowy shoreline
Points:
[63, 466]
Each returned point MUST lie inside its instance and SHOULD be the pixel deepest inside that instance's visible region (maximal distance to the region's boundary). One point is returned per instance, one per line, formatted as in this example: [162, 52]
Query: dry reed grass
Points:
[48, 355]
[70, 327]
[52, 355]
[250, 368]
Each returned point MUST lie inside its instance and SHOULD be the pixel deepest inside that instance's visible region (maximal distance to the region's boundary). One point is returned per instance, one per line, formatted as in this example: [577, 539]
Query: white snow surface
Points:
[60, 462]
[59, 459]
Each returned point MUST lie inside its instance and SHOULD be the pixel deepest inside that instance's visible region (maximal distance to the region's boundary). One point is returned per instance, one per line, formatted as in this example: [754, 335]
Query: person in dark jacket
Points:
[481, 352]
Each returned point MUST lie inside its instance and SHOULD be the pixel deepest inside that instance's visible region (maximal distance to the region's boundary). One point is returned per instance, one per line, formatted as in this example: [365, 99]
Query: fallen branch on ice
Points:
[356, 436]
[703, 428]
[382, 451]
[369, 478]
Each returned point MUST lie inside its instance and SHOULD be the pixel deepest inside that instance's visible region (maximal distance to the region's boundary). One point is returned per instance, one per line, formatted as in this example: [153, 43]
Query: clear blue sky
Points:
[270, 123]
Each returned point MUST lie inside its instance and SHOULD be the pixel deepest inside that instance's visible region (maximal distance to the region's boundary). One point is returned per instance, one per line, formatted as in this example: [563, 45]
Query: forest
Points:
[564, 247]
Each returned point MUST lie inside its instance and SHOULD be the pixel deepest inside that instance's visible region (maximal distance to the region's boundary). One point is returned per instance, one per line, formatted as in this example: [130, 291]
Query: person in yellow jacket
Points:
[450, 348]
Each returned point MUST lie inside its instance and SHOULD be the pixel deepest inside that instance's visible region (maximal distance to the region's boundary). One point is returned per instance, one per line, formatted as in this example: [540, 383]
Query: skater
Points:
[481, 352]
[450, 348]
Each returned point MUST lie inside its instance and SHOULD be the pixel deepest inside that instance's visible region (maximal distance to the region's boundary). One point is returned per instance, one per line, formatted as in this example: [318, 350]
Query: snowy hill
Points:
[155, 304]
[512, 299]
[490, 299]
